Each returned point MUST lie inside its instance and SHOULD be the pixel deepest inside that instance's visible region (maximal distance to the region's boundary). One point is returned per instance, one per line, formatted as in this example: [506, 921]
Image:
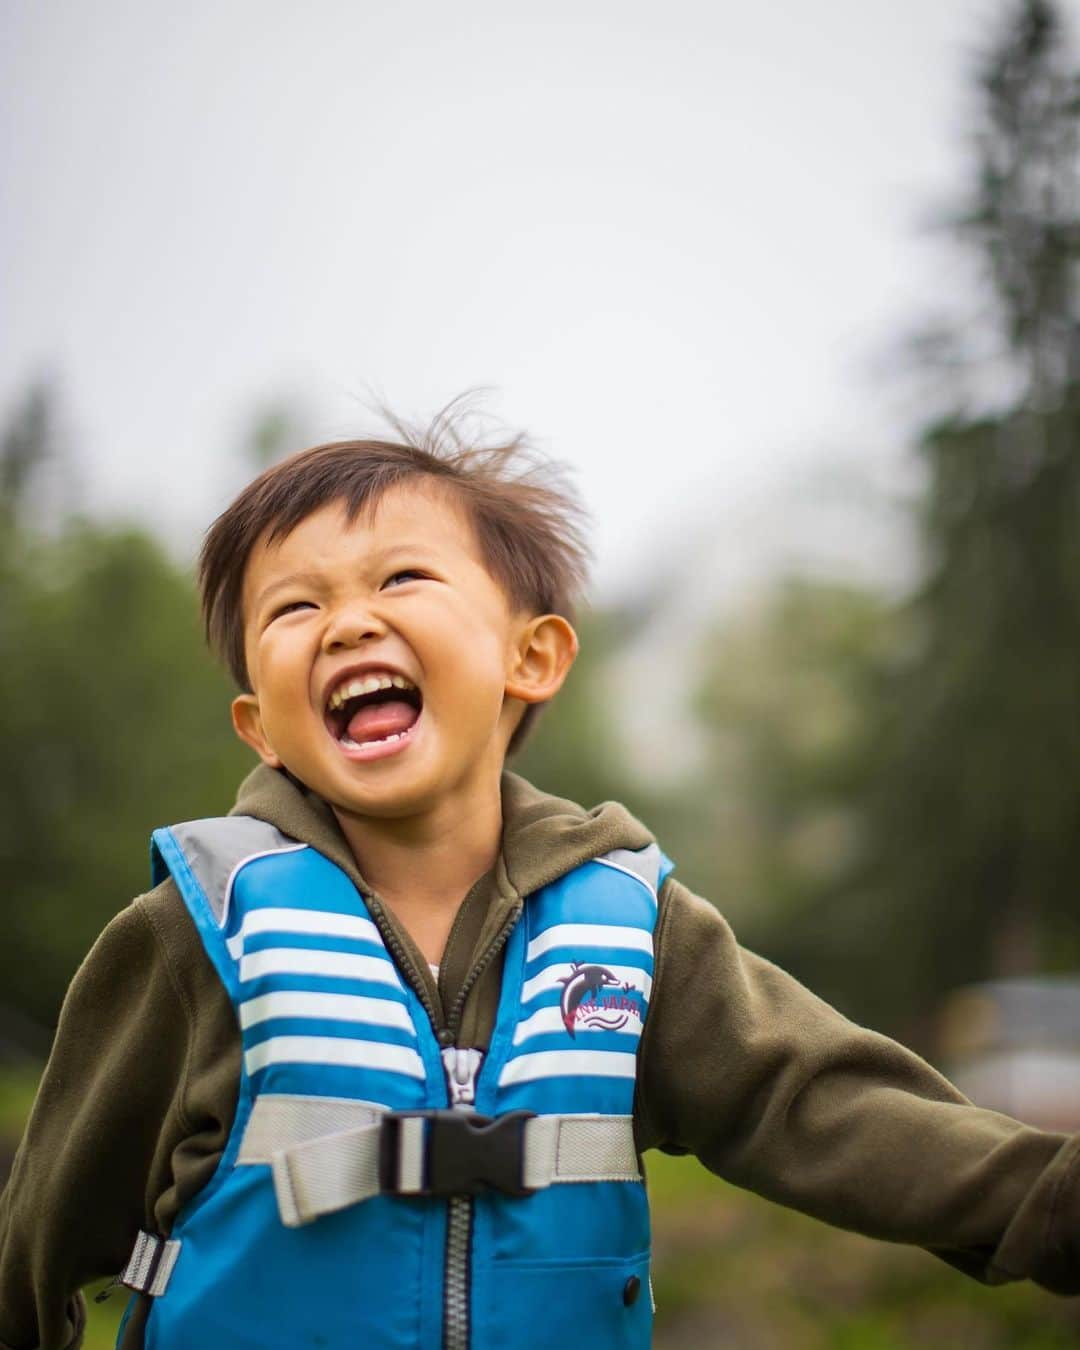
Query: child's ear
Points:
[247, 723]
[545, 651]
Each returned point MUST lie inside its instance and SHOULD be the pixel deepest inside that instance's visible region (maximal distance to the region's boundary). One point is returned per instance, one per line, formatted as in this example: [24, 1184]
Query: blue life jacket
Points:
[276, 1251]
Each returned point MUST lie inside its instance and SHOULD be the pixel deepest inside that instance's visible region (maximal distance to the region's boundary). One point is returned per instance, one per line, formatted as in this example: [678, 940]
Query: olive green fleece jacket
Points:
[739, 1064]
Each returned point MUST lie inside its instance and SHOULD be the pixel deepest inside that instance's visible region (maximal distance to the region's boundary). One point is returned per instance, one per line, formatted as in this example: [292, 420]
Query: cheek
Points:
[481, 659]
[486, 691]
[281, 680]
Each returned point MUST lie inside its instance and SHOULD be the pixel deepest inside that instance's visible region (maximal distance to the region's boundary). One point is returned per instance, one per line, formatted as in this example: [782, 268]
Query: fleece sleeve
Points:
[777, 1092]
[133, 1109]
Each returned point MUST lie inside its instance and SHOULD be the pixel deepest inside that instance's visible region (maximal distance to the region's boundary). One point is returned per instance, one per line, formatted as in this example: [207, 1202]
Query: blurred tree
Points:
[112, 720]
[27, 445]
[976, 819]
[38, 477]
[898, 800]
[1024, 218]
[788, 704]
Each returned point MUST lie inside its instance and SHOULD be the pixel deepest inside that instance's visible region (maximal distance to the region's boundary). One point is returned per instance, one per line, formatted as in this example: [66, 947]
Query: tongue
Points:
[378, 720]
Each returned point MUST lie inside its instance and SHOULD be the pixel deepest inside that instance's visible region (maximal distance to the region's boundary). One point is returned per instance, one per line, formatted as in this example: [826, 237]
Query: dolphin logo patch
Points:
[587, 1000]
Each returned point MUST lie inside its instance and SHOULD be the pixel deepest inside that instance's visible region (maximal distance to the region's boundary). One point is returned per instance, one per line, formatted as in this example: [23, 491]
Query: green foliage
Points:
[785, 702]
[981, 726]
[112, 721]
[976, 818]
[732, 1269]
[789, 706]
[26, 446]
[1022, 218]
[895, 787]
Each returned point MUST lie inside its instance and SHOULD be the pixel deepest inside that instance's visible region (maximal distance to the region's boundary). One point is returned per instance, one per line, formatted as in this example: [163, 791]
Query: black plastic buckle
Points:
[464, 1153]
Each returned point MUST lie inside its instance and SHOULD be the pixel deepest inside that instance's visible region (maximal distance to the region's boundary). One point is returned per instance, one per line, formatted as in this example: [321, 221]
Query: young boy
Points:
[374, 1062]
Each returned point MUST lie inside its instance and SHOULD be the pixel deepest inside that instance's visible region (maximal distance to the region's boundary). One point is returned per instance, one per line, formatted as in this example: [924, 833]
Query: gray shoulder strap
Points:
[215, 848]
[643, 863]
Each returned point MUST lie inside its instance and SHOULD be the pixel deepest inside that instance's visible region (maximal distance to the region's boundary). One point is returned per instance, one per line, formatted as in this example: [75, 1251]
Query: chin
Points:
[389, 801]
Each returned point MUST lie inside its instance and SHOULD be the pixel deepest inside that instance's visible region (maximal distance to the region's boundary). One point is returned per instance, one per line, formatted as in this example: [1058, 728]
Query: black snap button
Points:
[631, 1289]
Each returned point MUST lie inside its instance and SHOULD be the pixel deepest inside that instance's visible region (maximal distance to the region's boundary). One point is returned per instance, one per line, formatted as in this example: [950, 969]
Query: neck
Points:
[422, 867]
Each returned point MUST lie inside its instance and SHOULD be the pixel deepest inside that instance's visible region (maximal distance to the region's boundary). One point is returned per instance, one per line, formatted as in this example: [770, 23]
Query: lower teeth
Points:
[350, 744]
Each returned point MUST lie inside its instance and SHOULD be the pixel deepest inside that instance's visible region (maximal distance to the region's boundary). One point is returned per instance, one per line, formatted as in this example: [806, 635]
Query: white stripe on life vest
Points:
[549, 979]
[308, 961]
[378, 1012]
[567, 1064]
[325, 923]
[550, 1019]
[589, 935]
[334, 1050]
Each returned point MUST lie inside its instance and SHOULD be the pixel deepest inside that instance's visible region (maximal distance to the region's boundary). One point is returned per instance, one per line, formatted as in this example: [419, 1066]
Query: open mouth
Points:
[372, 711]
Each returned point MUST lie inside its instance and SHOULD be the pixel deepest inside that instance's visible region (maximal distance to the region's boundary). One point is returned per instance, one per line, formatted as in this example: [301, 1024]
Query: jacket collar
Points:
[544, 837]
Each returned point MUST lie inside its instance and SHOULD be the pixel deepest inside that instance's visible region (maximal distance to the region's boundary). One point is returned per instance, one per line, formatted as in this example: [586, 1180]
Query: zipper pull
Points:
[461, 1067]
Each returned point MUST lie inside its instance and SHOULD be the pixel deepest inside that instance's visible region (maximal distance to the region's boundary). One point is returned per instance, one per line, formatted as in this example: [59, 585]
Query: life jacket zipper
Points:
[462, 1067]
[494, 947]
[402, 958]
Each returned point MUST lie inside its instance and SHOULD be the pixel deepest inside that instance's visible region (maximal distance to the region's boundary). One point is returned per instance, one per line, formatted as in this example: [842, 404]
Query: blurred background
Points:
[795, 290]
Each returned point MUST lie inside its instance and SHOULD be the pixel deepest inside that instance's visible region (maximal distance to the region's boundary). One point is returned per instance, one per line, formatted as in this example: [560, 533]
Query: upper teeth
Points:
[354, 688]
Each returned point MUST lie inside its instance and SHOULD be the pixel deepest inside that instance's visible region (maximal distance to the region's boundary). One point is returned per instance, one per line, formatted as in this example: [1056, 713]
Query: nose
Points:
[351, 626]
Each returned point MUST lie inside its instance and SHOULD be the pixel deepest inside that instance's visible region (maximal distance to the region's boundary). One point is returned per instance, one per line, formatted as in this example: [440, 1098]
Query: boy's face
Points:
[399, 597]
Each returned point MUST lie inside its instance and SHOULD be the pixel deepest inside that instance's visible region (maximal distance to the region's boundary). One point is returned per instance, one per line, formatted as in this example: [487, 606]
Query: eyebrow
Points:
[293, 579]
[421, 552]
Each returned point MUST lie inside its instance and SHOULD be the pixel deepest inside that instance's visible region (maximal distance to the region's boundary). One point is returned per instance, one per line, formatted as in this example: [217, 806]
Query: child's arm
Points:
[776, 1091]
[119, 1117]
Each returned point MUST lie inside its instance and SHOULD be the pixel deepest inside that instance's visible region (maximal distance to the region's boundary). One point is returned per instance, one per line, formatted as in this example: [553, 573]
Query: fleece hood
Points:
[543, 838]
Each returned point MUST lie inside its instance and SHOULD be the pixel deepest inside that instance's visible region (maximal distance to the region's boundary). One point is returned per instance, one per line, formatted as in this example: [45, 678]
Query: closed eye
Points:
[406, 574]
[290, 607]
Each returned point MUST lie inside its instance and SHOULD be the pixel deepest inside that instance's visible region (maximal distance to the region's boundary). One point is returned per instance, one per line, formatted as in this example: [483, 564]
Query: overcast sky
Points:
[673, 236]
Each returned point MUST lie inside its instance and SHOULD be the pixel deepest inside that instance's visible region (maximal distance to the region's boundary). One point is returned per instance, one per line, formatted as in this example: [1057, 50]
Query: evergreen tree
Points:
[950, 789]
[977, 811]
[113, 720]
